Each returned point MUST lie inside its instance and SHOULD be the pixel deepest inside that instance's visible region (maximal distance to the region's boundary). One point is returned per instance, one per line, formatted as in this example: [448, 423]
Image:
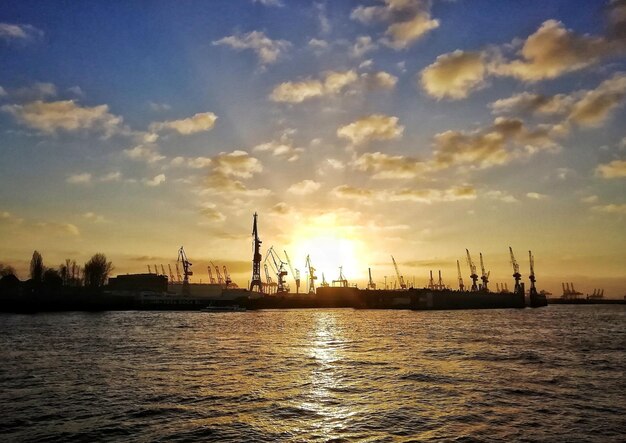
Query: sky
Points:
[357, 130]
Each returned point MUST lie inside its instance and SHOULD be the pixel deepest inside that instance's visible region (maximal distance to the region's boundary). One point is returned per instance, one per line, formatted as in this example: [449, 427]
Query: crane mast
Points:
[531, 277]
[227, 279]
[461, 285]
[343, 283]
[516, 275]
[400, 277]
[278, 266]
[171, 273]
[220, 280]
[311, 277]
[296, 275]
[371, 284]
[256, 258]
[473, 274]
[484, 275]
[211, 278]
[187, 272]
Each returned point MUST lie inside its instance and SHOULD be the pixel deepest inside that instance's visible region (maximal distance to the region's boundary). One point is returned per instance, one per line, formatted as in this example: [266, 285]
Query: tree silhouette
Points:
[52, 280]
[6, 270]
[36, 267]
[96, 271]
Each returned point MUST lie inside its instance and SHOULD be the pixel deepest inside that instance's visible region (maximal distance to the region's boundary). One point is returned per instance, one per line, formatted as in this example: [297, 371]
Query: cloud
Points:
[408, 20]
[371, 127]
[93, 217]
[66, 115]
[536, 196]
[590, 199]
[280, 208]
[200, 122]
[212, 214]
[111, 177]
[305, 187]
[3, 92]
[10, 31]
[384, 166]
[82, 178]
[596, 105]
[487, 147]
[192, 162]
[221, 184]
[362, 45]
[159, 107]
[143, 153]
[276, 3]
[553, 51]
[237, 163]
[428, 196]
[283, 149]
[267, 50]
[154, 181]
[351, 192]
[501, 196]
[611, 208]
[530, 103]
[380, 80]
[36, 91]
[614, 169]
[454, 75]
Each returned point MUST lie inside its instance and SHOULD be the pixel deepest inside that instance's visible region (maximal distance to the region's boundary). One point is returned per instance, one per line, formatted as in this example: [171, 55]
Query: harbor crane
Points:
[400, 277]
[324, 282]
[227, 279]
[531, 277]
[220, 280]
[431, 282]
[278, 266]
[256, 258]
[461, 285]
[473, 274]
[296, 274]
[441, 286]
[187, 272]
[370, 284]
[171, 273]
[269, 282]
[156, 270]
[516, 275]
[341, 281]
[211, 278]
[484, 275]
[311, 275]
[163, 270]
[149, 270]
[179, 277]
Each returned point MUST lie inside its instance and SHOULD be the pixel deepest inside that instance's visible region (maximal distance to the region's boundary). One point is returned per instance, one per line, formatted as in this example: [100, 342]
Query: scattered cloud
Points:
[304, 187]
[454, 75]
[146, 153]
[362, 45]
[154, 181]
[221, 184]
[36, 91]
[283, 149]
[268, 51]
[614, 169]
[408, 20]
[536, 196]
[501, 196]
[191, 162]
[596, 105]
[66, 115]
[237, 164]
[82, 178]
[94, 218]
[276, 3]
[200, 122]
[12, 31]
[610, 208]
[111, 177]
[428, 196]
[371, 127]
[159, 107]
[531, 103]
[384, 166]
[211, 213]
[589, 199]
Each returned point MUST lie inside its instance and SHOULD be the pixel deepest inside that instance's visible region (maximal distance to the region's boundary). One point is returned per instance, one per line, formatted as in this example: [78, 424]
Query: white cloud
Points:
[237, 163]
[94, 218]
[362, 45]
[283, 149]
[610, 208]
[143, 153]
[614, 169]
[111, 177]
[82, 178]
[305, 187]
[267, 50]
[155, 181]
[454, 75]
[200, 122]
[384, 166]
[371, 127]
[159, 107]
[536, 196]
[501, 196]
[192, 162]
[276, 3]
[66, 115]
[11, 31]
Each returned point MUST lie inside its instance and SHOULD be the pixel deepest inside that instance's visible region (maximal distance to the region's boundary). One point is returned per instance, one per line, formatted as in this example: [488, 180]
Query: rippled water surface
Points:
[550, 374]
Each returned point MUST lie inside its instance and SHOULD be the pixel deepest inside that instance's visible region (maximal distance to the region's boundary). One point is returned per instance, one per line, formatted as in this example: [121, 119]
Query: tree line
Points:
[94, 273]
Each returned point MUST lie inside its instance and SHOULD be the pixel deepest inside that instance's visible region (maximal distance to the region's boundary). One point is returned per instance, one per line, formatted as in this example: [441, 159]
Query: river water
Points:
[549, 374]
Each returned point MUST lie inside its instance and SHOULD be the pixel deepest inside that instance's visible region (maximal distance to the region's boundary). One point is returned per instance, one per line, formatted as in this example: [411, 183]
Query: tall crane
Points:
[268, 279]
[400, 277]
[227, 280]
[324, 283]
[516, 275]
[311, 275]
[531, 277]
[156, 270]
[220, 280]
[440, 285]
[149, 270]
[370, 284]
[343, 283]
[256, 258]
[484, 275]
[187, 272]
[278, 266]
[461, 285]
[179, 277]
[171, 273]
[431, 282]
[211, 278]
[473, 274]
[163, 270]
[296, 275]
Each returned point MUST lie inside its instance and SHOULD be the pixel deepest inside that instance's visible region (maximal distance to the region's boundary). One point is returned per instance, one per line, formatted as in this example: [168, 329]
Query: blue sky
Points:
[356, 129]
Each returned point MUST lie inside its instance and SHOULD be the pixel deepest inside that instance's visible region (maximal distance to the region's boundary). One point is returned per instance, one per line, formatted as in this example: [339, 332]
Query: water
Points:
[550, 374]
